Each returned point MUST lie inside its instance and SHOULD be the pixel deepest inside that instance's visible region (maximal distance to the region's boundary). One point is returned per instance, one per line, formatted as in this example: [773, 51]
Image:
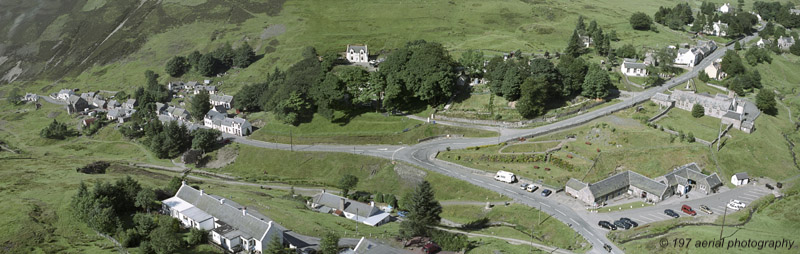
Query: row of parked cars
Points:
[532, 188]
[623, 222]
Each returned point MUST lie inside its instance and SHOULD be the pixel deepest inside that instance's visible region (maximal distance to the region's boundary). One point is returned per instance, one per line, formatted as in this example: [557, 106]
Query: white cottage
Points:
[357, 54]
[630, 67]
[740, 179]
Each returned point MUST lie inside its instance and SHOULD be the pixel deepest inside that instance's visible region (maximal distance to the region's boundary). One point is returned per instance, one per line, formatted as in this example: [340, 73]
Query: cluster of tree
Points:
[95, 126]
[765, 101]
[199, 105]
[167, 140]
[601, 40]
[775, 11]
[347, 183]
[707, 8]
[676, 17]
[387, 198]
[14, 97]
[472, 61]
[146, 97]
[56, 130]
[205, 139]
[423, 212]
[757, 55]
[421, 73]
[740, 80]
[641, 21]
[739, 23]
[209, 64]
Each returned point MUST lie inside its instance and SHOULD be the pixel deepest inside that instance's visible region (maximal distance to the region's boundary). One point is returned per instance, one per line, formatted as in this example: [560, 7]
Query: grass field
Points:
[776, 221]
[529, 147]
[706, 127]
[632, 205]
[367, 128]
[547, 231]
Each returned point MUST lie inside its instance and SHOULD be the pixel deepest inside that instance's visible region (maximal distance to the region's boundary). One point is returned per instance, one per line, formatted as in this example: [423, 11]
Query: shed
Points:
[740, 179]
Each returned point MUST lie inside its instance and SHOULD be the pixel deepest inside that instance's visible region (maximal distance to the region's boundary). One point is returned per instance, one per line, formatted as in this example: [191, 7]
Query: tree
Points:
[698, 111]
[145, 199]
[592, 29]
[699, 23]
[55, 130]
[205, 139]
[391, 200]
[165, 238]
[613, 35]
[532, 102]
[690, 137]
[768, 30]
[580, 26]
[294, 109]
[243, 56]
[358, 85]
[14, 96]
[572, 71]
[275, 246]
[205, 65]
[330, 95]
[703, 76]
[420, 71]
[765, 101]
[575, 45]
[707, 8]
[472, 60]
[347, 183]
[795, 49]
[423, 211]
[174, 184]
[737, 46]
[732, 63]
[196, 236]
[596, 83]
[627, 51]
[329, 244]
[177, 66]
[224, 54]
[756, 55]
[640, 21]
[200, 105]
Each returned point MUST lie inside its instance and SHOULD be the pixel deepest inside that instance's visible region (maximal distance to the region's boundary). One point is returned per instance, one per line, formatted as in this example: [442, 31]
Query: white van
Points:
[506, 177]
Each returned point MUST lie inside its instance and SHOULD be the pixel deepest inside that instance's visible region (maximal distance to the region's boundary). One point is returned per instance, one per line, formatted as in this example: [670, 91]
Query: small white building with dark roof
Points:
[630, 67]
[221, 100]
[740, 178]
[357, 54]
[365, 213]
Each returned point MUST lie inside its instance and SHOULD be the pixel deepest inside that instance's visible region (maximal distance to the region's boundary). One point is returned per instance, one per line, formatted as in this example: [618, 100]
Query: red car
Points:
[688, 210]
[431, 248]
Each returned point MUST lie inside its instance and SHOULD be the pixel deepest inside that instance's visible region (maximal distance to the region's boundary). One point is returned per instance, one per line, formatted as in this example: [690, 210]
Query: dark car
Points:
[607, 225]
[546, 192]
[688, 210]
[622, 224]
[629, 221]
[607, 247]
[671, 213]
[523, 186]
[431, 248]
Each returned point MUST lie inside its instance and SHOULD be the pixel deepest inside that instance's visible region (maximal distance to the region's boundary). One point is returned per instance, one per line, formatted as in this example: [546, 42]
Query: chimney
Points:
[244, 211]
[221, 201]
[201, 192]
[372, 203]
[183, 182]
[323, 190]
[341, 204]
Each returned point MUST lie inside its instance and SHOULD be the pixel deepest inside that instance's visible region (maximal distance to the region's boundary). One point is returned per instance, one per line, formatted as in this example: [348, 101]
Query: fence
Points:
[121, 249]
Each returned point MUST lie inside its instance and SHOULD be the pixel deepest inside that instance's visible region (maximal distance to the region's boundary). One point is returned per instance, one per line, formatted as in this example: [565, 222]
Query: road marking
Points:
[383, 149]
[559, 211]
[590, 233]
[545, 205]
[480, 181]
[750, 196]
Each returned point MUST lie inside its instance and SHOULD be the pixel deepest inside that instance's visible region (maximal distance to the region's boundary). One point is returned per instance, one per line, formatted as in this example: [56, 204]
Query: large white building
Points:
[221, 100]
[220, 121]
[728, 108]
[357, 54]
[232, 226]
[630, 67]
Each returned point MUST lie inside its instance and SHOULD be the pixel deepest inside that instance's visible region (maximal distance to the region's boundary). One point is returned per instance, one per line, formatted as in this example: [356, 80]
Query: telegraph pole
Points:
[723, 222]
[291, 141]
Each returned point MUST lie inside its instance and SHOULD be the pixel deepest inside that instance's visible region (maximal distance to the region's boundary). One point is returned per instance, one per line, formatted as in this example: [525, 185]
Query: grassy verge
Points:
[632, 205]
[368, 128]
[522, 219]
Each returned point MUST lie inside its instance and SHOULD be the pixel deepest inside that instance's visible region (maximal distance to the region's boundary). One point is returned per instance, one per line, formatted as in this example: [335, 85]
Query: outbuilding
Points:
[740, 179]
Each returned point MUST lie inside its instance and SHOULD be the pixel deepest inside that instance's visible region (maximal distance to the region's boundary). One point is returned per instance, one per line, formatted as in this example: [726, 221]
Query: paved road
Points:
[424, 154]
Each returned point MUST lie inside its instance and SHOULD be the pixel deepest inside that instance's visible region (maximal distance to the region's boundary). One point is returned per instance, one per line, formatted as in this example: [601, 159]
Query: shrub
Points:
[450, 241]
[97, 167]
[196, 236]
[698, 110]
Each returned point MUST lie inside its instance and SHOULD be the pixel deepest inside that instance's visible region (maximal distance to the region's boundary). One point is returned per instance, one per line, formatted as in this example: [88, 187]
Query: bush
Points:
[97, 167]
[690, 137]
[145, 248]
[129, 238]
[55, 130]
[196, 236]
[698, 111]
[450, 241]
[378, 197]
[640, 21]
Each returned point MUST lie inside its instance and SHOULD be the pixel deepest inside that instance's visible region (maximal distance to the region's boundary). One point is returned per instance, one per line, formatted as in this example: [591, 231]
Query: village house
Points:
[794, 11]
[121, 115]
[113, 104]
[130, 104]
[233, 228]
[630, 67]
[762, 43]
[175, 86]
[677, 182]
[365, 246]
[587, 41]
[714, 70]
[88, 121]
[740, 178]
[217, 120]
[76, 104]
[209, 89]
[728, 108]
[221, 100]
[718, 29]
[725, 8]
[365, 213]
[64, 94]
[689, 57]
[357, 54]
[785, 42]
[30, 97]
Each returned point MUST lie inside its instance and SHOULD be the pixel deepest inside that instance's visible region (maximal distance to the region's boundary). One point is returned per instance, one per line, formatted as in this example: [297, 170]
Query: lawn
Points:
[705, 127]
[367, 128]
[776, 221]
[546, 230]
[632, 205]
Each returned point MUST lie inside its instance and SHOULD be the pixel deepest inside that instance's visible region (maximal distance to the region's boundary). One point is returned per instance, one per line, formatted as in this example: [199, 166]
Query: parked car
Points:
[769, 186]
[705, 209]
[523, 186]
[431, 248]
[688, 210]
[629, 221]
[671, 213]
[622, 224]
[532, 188]
[546, 192]
[607, 225]
[736, 204]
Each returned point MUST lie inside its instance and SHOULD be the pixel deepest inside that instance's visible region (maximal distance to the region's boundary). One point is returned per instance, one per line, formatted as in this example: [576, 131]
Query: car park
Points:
[629, 221]
[688, 210]
[705, 209]
[532, 188]
[622, 224]
[546, 192]
[671, 213]
[607, 225]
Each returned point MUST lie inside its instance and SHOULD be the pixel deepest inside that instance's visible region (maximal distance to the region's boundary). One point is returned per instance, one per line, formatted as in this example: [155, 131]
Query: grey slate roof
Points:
[661, 97]
[692, 172]
[732, 115]
[610, 184]
[647, 184]
[73, 99]
[356, 48]
[252, 224]
[742, 175]
[221, 98]
[350, 206]
[634, 65]
[575, 184]
[365, 246]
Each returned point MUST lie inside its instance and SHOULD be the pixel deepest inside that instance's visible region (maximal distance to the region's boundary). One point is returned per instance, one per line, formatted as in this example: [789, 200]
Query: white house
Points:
[64, 94]
[120, 114]
[357, 54]
[175, 86]
[220, 121]
[718, 29]
[725, 8]
[221, 100]
[785, 42]
[762, 43]
[232, 226]
[130, 104]
[30, 97]
[740, 179]
[209, 89]
[714, 70]
[365, 213]
[630, 67]
[689, 57]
